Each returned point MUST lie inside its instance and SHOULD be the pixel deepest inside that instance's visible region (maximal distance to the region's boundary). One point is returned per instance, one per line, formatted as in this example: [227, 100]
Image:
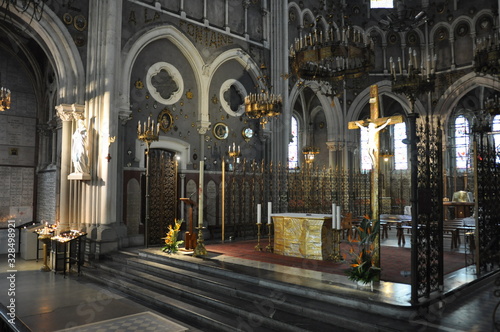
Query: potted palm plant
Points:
[362, 268]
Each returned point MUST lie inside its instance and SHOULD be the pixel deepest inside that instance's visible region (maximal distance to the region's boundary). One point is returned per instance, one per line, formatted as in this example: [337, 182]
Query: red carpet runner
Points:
[395, 261]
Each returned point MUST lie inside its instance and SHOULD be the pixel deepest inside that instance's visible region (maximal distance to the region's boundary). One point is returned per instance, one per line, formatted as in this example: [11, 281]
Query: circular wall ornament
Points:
[240, 89]
[67, 18]
[462, 29]
[220, 130]
[80, 22]
[247, 133]
[169, 92]
[165, 120]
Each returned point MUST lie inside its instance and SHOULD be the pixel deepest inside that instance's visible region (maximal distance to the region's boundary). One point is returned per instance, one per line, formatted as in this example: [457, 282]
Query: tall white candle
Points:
[200, 195]
[339, 220]
[259, 214]
[334, 219]
[269, 209]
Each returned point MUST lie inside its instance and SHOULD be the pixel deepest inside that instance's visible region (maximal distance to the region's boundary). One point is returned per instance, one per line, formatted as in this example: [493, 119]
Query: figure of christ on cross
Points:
[374, 126]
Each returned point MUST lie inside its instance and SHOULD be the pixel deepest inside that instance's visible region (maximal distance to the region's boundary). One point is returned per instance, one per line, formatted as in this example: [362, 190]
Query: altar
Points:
[303, 235]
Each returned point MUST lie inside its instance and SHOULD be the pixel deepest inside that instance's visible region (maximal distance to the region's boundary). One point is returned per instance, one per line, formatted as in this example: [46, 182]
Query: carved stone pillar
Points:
[65, 113]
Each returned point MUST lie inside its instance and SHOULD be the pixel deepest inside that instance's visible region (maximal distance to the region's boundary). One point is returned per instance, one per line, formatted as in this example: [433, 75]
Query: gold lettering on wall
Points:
[205, 36]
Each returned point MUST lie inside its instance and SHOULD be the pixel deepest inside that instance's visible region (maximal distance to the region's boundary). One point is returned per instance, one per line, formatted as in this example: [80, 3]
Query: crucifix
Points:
[374, 125]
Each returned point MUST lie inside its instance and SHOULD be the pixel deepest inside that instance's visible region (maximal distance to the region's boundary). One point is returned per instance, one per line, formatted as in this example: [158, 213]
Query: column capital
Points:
[69, 112]
[335, 146]
[202, 126]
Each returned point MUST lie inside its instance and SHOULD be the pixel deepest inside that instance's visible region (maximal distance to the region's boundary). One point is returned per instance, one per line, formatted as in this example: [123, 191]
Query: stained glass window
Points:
[400, 148]
[293, 146]
[462, 142]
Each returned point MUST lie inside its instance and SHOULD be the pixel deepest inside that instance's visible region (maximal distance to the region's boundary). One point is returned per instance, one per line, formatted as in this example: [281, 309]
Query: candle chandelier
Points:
[415, 78]
[487, 57]
[310, 153]
[263, 105]
[331, 54]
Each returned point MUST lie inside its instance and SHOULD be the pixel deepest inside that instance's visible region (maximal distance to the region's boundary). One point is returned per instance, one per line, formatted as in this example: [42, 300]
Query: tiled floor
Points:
[49, 302]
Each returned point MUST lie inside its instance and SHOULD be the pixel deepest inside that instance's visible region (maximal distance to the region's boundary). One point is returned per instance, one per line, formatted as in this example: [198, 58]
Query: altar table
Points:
[303, 235]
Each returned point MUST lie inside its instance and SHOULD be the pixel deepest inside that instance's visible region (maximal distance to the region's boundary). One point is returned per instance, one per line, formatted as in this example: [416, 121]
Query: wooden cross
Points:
[374, 125]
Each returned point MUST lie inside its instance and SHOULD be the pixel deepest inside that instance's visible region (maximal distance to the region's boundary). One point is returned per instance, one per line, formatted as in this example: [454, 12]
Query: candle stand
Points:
[148, 134]
[45, 238]
[269, 247]
[258, 247]
[335, 255]
[200, 249]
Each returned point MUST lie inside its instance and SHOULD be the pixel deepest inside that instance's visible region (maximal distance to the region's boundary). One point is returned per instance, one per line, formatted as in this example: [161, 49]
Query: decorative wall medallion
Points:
[232, 86]
[292, 16]
[462, 29]
[165, 83]
[442, 34]
[220, 130]
[67, 18]
[214, 99]
[485, 23]
[247, 133]
[392, 38]
[80, 22]
[138, 84]
[412, 38]
[189, 94]
[165, 120]
[79, 39]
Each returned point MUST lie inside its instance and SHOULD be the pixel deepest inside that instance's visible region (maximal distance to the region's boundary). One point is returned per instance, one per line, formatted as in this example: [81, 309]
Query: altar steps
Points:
[217, 296]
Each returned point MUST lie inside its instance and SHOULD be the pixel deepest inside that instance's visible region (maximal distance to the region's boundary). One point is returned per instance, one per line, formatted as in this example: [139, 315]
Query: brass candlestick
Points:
[200, 249]
[258, 247]
[336, 256]
[147, 133]
[269, 246]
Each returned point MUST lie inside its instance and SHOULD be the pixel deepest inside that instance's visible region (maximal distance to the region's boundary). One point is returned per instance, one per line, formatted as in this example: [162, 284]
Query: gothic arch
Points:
[58, 45]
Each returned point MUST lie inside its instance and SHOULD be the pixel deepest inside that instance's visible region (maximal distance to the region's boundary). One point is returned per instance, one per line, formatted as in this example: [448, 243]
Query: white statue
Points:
[372, 129]
[79, 148]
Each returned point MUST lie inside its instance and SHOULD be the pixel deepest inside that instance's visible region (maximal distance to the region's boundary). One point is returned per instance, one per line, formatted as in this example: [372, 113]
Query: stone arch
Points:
[53, 37]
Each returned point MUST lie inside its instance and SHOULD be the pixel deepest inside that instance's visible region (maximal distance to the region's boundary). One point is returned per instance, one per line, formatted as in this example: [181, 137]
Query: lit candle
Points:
[259, 214]
[269, 209]
[400, 66]
[339, 220]
[334, 219]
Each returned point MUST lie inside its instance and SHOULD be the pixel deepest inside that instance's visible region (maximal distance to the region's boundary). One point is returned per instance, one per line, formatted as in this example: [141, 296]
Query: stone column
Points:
[65, 113]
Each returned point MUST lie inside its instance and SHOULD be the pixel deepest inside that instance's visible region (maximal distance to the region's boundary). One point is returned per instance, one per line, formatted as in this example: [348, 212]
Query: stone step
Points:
[250, 299]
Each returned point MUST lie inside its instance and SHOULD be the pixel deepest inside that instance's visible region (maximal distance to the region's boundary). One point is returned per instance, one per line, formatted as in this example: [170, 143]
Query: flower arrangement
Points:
[171, 242]
[362, 268]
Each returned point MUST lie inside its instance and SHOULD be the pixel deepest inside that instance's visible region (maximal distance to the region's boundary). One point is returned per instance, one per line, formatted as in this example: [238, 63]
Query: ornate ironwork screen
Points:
[163, 194]
[429, 239]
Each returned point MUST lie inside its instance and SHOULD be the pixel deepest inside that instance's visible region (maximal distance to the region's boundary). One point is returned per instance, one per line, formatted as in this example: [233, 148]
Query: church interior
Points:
[253, 165]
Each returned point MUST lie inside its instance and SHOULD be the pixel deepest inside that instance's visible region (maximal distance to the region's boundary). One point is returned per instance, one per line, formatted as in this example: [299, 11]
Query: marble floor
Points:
[48, 302]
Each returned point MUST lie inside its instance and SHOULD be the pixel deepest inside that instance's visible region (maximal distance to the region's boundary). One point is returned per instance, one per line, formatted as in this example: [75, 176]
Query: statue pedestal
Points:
[79, 176]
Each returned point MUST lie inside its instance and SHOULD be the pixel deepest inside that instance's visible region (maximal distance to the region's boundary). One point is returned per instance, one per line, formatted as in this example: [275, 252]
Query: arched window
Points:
[400, 148]
[293, 146]
[461, 137]
[496, 137]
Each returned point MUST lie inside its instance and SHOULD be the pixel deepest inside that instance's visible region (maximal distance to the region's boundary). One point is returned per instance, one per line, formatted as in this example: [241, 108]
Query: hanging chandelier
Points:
[310, 153]
[487, 57]
[320, 57]
[263, 105]
[331, 52]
